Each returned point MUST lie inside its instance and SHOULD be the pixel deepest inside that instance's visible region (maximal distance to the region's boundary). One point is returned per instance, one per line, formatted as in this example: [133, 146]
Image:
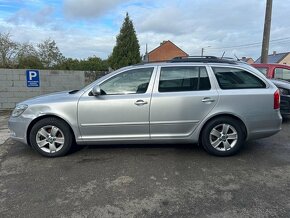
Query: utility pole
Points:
[267, 29]
[202, 50]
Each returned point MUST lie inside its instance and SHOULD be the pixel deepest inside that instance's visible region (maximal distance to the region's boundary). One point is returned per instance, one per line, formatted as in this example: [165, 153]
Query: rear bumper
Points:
[266, 126]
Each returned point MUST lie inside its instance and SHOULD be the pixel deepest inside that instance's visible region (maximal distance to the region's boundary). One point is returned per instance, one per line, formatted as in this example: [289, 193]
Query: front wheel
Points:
[51, 137]
[223, 136]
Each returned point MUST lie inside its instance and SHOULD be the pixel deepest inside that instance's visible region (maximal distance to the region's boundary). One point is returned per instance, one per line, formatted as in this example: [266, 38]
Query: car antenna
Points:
[236, 57]
[223, 55]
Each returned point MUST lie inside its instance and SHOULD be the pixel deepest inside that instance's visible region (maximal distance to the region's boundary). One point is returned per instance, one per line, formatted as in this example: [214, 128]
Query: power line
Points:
[274, 41]
[256, 45]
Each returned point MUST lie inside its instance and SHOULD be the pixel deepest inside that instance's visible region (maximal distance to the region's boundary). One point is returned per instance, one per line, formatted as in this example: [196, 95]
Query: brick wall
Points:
[166, 51]
[13, 87]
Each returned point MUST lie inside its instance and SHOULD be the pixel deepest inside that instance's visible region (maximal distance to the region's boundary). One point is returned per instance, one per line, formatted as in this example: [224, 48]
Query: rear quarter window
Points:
[233, 78]
[282, 73]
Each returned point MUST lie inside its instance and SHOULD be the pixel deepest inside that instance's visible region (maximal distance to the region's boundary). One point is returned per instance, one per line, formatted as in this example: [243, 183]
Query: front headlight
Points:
[19, 109]
[283, 91]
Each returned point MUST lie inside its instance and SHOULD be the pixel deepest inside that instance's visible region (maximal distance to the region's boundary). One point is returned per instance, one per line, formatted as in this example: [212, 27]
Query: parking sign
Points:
[32, 78]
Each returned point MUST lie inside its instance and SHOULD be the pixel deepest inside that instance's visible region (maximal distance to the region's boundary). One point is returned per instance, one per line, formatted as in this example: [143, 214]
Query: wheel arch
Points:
[33, 122]
[244, 128]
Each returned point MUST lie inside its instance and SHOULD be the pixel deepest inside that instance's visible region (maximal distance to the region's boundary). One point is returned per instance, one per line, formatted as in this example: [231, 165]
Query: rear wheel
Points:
[51, 137]
[223, 136]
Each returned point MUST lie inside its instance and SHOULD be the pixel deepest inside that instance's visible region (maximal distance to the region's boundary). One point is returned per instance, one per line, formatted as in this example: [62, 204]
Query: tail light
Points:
[277, 99]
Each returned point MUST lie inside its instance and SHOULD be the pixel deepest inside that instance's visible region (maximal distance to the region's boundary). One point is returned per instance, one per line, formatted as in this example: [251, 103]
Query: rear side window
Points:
[178, 79]
[233, 78]
[281, 73]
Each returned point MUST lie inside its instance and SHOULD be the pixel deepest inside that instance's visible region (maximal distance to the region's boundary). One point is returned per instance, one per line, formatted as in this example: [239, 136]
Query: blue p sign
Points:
[32, 78]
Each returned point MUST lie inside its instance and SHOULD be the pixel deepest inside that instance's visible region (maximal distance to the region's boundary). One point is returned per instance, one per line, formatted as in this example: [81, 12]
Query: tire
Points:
[223, 136]
[51, 137]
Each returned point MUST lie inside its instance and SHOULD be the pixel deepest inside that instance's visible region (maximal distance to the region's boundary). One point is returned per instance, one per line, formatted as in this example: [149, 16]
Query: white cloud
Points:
[41, 17]
[196, 24]
[190, 24]
[89, 8]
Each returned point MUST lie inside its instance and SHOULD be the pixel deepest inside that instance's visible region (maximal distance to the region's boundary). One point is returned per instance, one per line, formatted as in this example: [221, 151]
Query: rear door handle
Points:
[140, 102]
[209, 100]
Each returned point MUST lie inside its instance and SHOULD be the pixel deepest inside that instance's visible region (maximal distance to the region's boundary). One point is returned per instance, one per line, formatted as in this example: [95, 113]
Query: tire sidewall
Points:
[222, 120]
[59, 124]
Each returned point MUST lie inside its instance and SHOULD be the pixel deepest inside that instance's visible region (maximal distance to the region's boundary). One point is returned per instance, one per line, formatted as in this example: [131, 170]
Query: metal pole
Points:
[266, 35]
[202, 50]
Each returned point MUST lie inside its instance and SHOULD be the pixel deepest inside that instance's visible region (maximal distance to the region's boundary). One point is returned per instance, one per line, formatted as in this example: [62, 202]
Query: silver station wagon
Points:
[217, 103]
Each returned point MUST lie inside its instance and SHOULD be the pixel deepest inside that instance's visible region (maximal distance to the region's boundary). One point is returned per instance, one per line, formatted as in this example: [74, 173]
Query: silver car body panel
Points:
[115, 117]
[177, 114]
[166, 117]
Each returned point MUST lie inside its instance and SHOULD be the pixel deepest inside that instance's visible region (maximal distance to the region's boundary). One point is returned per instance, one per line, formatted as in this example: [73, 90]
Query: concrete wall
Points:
[13, 87]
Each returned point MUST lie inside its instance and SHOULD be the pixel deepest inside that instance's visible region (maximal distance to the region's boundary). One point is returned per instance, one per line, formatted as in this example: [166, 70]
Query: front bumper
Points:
[18, 127]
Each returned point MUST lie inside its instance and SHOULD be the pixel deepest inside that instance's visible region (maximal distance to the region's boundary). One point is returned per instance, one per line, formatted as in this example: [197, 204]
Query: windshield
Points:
[263, 70]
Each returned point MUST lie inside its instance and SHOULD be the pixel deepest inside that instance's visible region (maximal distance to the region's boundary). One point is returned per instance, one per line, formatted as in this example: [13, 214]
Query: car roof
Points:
[271, 65]
[195, 60]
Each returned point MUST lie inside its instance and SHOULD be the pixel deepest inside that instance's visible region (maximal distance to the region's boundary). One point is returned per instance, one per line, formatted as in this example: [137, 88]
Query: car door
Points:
[181, 98]
[121, 111]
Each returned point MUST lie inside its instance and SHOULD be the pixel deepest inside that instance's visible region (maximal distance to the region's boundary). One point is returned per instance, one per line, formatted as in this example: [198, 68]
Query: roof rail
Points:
[203, 59]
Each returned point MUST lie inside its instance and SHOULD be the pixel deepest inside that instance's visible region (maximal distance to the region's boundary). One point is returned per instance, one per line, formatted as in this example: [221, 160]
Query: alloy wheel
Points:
[223, 137]
[50, 139]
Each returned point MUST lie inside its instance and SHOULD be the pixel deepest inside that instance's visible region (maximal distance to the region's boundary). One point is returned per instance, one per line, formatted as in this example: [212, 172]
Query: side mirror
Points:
[96, 90]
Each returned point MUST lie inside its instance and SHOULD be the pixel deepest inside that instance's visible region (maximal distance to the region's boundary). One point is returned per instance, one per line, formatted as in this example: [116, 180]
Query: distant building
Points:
[166, 51]
[277, 58]
[248, 60]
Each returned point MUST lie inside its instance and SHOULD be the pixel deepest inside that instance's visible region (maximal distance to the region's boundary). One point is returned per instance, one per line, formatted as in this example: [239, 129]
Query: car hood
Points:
[281, 83]
[52, 98]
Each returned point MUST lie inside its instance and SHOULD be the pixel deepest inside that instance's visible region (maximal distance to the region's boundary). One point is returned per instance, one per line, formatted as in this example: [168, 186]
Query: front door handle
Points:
[207, 100]
[140, 102]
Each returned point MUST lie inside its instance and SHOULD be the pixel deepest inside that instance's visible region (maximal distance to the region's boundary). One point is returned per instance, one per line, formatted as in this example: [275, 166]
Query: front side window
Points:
[233, 78]
[281, 73]
[129, 82]
[178, 79]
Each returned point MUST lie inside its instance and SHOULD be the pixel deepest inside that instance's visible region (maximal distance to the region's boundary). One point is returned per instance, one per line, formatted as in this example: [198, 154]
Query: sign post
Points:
[32, 78]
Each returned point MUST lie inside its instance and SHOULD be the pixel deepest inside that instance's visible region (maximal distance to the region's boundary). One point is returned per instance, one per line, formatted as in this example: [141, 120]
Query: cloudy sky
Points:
[85, 28]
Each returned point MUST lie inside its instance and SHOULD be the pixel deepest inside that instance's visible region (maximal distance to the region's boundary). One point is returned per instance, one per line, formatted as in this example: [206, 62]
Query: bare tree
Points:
[49, 53]
[26, 49]
[8, 50]
[27, 57]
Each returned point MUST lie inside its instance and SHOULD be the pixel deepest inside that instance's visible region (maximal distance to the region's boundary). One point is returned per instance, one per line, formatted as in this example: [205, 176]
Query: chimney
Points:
[163, 42]
[274, 52]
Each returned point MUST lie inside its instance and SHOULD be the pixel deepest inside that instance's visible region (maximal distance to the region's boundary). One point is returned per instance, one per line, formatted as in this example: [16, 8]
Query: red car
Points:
[274, 71]
[280, 76]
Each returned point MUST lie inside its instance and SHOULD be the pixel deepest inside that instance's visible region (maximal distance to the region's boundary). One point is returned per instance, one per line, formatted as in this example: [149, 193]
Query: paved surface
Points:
[147, 181]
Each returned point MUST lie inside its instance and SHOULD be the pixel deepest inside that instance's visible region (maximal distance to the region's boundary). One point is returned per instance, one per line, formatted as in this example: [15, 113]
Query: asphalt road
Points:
[147, 181]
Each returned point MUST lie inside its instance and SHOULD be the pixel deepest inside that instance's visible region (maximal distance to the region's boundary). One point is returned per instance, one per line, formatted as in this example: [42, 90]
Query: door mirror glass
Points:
[96, 90]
